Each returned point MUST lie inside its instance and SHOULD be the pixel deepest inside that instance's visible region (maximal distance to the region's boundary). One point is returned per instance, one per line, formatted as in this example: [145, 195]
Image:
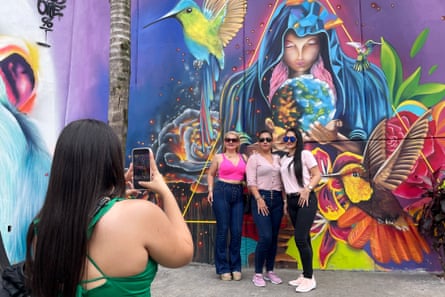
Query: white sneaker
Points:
[296, 282]
[306, 285]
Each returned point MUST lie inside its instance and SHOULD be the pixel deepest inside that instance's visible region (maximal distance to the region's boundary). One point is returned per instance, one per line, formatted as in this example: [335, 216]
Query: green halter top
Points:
[136, 286]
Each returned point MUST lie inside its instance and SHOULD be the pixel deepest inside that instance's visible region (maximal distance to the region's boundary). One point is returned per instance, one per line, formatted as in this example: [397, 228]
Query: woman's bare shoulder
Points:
[130, 210]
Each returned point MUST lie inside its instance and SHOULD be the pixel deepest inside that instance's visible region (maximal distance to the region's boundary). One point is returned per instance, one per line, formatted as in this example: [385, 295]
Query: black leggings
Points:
[302, 219]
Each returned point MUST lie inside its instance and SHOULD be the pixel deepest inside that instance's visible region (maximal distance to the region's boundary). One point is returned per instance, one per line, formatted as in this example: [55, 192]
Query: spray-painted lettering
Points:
[49, 9]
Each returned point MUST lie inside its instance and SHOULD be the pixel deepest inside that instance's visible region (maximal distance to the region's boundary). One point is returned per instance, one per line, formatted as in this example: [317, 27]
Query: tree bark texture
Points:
[119, 64]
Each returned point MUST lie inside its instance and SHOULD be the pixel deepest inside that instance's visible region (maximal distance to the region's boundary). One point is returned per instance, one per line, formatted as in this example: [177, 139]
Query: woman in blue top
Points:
[86, 240]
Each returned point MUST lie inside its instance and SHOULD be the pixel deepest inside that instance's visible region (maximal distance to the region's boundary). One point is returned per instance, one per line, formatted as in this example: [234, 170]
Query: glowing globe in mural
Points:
[301, 101]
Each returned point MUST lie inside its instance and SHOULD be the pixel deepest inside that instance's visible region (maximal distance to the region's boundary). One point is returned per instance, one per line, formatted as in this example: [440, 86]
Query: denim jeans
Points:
[267, 228]
[228, 209]
[302, 219]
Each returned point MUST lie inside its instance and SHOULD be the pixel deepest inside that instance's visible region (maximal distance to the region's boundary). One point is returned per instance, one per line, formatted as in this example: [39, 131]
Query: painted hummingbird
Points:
[363, 51]
[206, 32]
[374, 213]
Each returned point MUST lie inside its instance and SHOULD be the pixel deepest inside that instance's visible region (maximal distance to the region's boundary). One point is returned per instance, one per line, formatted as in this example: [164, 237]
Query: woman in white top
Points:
[300, 174]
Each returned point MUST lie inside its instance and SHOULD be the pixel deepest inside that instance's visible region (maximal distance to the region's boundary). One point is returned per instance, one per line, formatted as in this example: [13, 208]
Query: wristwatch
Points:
[310, 187]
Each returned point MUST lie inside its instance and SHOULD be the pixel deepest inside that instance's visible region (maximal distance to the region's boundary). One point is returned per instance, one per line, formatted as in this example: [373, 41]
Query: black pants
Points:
[302, 219]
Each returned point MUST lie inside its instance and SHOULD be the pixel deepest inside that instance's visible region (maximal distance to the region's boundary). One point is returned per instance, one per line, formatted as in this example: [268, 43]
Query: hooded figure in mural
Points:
[24, 159]
[252, 98]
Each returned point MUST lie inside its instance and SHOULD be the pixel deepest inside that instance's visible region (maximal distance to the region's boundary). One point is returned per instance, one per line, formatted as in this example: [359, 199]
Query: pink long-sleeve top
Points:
[263, 174]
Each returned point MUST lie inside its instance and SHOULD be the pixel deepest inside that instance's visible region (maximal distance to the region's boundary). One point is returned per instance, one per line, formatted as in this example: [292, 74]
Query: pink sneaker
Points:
[258, 280]
[273, 278]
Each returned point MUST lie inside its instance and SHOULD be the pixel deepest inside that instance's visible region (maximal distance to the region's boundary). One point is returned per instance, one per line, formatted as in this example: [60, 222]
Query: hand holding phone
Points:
[141, 166]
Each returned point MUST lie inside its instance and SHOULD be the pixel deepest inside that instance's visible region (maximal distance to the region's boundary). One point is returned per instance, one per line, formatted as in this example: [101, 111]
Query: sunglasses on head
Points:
[289, 138]
[263, 139]
[231, 139]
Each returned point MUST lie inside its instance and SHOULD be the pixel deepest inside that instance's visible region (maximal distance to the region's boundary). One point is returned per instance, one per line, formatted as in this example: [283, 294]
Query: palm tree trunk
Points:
[119, 67]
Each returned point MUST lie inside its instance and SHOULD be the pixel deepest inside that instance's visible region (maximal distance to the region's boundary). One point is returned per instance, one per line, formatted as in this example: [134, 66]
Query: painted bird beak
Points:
[165, 16]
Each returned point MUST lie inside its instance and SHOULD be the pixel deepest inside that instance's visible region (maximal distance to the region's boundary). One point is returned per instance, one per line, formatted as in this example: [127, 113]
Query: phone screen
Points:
[141, 166]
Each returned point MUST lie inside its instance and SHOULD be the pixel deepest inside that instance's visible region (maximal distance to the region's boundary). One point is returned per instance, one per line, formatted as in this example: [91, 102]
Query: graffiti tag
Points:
[49, 9]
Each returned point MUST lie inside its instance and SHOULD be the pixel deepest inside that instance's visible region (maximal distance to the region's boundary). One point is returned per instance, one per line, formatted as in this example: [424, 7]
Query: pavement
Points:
[196, 280]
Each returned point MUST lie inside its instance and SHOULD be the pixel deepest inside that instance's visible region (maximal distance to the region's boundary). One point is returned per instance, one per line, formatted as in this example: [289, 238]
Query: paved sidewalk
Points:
[196, 280]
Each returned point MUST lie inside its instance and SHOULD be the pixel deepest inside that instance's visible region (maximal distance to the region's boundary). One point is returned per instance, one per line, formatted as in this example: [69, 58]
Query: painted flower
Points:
[331, 233]
[332, 204]
[182, 156]
[429, 162]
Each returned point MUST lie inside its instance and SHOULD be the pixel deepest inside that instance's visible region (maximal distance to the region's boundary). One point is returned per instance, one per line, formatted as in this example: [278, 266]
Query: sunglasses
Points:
[289, 138]
[267, 139]
[231, 140]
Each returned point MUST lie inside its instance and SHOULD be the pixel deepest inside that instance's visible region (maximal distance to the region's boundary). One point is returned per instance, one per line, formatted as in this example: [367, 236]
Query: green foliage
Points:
[431, 222]
[401, 90]
[409, 85]
[392, 67]
[433, 69]
[419, 42]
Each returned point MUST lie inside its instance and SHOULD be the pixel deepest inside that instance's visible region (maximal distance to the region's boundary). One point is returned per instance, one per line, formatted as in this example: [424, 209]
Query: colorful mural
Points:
[53, 69]
[370, 108]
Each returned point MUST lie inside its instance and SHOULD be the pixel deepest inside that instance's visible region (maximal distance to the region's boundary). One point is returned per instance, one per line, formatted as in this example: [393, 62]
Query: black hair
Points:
[264, 131]
[87, 165]
[298, 166]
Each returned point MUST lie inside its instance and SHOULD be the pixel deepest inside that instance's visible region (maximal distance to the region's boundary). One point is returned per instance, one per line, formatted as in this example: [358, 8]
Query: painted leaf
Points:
[419, 43]
[327, 248]
[408, 87]
[340, 234]
[429, 94]
[323, 160]
[344, 159]
[433, 69]
[392, 67]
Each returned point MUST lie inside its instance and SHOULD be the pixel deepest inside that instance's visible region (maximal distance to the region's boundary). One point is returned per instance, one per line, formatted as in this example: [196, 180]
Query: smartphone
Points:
[141, 166]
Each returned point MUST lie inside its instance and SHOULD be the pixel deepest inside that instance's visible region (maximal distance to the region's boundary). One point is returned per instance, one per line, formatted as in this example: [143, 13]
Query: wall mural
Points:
[46, 81]
[371, 110]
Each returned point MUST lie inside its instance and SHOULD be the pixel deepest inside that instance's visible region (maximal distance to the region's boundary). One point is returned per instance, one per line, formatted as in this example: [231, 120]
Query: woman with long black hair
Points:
[88, 240]
[300, 174]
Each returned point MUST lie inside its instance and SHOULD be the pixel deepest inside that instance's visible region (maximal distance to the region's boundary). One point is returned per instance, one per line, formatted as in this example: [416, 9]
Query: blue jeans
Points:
[268, 228]
[228, 209]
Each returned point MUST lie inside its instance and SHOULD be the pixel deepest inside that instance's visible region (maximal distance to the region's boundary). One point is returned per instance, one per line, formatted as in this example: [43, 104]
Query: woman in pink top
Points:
[300, 174]
[264, 182]
[226, 198]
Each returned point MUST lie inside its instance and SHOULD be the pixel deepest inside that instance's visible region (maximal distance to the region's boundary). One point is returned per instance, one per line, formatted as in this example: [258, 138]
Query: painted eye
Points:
[189, 10]
[356, 174]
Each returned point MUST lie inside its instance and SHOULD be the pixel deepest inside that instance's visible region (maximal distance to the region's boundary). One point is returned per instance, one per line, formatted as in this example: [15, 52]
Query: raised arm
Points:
[168, 239]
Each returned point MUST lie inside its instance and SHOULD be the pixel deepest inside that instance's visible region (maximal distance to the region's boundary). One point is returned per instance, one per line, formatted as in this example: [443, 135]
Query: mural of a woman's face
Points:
[300, 53]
